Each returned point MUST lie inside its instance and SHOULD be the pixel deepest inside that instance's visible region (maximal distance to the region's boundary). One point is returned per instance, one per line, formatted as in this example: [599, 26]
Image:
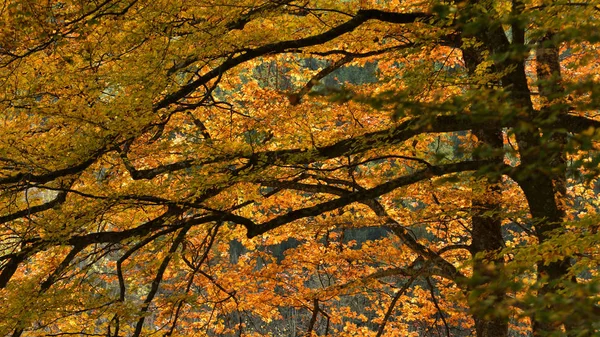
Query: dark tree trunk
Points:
[489, 311]
[486, 327]
[486, 236]
[541, 172]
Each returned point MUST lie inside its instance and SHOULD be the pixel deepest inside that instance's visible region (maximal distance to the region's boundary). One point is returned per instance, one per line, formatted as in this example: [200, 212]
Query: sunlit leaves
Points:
[143, 142]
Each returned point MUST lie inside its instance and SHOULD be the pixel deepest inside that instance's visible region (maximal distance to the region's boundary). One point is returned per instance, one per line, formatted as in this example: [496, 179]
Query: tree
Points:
[143, 140]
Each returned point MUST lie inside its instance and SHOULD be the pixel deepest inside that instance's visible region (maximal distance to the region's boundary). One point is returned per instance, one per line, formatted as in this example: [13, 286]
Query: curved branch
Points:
[60, 198]
[116, 236]
[158, 278]
[297, 97]
[361, 17]
[313, 319]
[14, 260]
[61, 268]
[349, 146]
[44, 178]
[130, 252]
[393, 304]
[372, 193]
[209, 241]
[437, 305]
[446, 270]
[82, 241]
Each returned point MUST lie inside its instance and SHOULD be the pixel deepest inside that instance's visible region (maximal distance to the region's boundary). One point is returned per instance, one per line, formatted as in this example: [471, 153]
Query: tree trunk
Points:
[486, 327]
[489, 308]
[486, 296]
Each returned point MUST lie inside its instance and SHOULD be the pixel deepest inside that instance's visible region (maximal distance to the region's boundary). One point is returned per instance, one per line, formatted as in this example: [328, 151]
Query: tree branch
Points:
[361, 17]
[60, 198]
[158, 278]
[255, 230]
[393, 304]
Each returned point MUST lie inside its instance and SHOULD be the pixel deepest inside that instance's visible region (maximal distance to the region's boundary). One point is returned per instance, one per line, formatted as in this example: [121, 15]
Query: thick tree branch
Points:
[359, 144]
[82, 241]
[278, 47]
[295, 98]
[118, 236]
[313, 318]
[345, 147]
[60, 269]
[59, 199]
[372, 193]
[14, 260]
[446, 269]
[52, 175]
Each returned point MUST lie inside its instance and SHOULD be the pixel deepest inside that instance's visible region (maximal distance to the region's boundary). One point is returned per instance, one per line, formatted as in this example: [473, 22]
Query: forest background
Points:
[299, 168]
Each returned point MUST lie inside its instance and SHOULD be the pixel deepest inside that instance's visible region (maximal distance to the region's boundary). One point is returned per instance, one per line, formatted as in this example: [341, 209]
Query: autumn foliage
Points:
[299, 168]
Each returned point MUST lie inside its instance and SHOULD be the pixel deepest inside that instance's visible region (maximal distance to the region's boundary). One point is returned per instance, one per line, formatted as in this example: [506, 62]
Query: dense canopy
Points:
[288, 168]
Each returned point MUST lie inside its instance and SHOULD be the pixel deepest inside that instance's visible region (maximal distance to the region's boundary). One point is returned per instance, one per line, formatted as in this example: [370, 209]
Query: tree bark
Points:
[486, 236]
